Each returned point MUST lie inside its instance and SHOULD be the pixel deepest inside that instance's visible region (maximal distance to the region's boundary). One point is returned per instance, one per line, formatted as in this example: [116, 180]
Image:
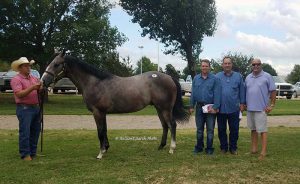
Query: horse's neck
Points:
[78, 77]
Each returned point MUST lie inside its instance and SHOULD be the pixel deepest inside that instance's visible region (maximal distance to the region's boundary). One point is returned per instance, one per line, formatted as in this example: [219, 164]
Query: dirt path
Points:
[127, 122]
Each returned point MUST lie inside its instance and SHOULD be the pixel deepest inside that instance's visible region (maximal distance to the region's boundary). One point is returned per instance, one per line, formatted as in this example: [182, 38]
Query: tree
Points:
[294, 76]
[170, 70]
[112, 64]
[214, 65]
[241, 62]
[34, 28]
[147, 65]
[187, 72]
[4, 66]
[180, 24]
[268, 68]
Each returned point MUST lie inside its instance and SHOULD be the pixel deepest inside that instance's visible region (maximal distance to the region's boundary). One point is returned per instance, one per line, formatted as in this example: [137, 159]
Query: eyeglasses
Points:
[256, 64]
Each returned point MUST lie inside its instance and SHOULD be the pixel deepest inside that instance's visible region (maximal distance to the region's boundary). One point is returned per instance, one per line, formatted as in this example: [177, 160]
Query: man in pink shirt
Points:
[25, 87]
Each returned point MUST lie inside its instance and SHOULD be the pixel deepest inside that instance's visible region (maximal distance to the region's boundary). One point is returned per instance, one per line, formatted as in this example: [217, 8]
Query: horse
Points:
[105, 93]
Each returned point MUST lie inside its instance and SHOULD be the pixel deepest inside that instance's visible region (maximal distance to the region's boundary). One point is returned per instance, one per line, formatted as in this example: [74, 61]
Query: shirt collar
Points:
[208, 75]
[260, 74]
[24, 77]
[228, 75]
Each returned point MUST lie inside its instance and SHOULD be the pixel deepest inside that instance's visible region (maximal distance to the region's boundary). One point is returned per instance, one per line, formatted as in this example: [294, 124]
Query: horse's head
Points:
[56, 69]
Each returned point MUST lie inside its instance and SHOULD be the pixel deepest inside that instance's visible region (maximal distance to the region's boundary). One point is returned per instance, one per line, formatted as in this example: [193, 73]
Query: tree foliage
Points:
[241, 63]
[187, 72]
[113, 64]
[294, 76]
[4, 66]
[214, 65]
[147, 66]
[180, 24]
[170, 70]
[33, 28]
[268, 68]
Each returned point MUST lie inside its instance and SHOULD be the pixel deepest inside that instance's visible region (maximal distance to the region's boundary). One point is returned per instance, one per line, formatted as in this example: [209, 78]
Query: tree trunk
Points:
[191, 62]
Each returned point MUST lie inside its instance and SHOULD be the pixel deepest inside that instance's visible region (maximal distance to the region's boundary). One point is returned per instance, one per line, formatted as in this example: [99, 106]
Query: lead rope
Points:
[41, 113]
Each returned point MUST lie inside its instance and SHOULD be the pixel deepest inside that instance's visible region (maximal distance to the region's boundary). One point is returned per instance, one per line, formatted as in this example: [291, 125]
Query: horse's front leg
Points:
[100, 119]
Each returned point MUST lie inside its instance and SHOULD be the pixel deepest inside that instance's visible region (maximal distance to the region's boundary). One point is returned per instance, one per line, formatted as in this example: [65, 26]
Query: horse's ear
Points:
[63, 53]
[56, 51]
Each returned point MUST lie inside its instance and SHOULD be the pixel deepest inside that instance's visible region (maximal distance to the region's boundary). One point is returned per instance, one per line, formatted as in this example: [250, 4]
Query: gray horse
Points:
[105, 93]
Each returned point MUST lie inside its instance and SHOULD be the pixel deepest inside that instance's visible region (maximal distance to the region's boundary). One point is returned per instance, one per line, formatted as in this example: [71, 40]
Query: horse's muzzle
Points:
[47, 80]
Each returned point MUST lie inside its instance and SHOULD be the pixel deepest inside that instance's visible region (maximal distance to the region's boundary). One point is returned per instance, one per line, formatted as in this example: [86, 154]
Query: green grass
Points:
[68, 104]
[73, 105]
[70, 158]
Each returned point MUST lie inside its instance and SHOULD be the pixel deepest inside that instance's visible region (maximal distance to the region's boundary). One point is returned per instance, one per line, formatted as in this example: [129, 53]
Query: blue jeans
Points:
[29, 129]
[233, 122]
[201, 120]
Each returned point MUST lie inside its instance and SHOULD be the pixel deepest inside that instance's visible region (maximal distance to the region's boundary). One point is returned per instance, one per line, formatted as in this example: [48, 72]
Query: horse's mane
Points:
[101, 74]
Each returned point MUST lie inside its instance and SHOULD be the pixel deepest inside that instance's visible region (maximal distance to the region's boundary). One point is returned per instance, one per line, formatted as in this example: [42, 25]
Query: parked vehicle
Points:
[283, 88]
[296, 90]
[1, 80]
[186, 85]
[64, 85]
[6, 78]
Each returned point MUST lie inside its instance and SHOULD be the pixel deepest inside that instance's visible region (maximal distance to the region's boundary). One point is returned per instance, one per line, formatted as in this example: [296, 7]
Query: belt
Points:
[200, 104]
[28, 105]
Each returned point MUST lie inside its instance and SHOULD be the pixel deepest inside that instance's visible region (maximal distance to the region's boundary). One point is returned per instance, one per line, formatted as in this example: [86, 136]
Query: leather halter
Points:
[53, 75]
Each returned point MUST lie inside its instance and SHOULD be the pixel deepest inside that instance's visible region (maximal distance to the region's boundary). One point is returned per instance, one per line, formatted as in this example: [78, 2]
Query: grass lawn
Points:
[70, 158]
[70, 104]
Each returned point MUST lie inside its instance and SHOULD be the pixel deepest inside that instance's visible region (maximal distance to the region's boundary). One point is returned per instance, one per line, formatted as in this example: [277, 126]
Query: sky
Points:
[266, 29]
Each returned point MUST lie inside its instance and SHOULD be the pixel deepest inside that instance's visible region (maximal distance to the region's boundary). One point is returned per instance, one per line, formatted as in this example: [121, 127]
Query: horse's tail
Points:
[180, 113]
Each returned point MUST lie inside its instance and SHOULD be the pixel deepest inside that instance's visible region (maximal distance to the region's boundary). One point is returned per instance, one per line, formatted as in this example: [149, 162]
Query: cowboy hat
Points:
[23, 60]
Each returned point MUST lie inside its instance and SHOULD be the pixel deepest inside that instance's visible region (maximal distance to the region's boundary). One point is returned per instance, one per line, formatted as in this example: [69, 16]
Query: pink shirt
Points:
[20, 82]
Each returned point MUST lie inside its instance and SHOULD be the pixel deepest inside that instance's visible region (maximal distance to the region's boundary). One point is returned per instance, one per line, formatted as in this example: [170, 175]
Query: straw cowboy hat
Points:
[23, 60]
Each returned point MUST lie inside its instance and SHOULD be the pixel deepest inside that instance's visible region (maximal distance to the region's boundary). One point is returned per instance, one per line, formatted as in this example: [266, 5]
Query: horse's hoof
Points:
[99, 156]
[160, 147]
[171, 151]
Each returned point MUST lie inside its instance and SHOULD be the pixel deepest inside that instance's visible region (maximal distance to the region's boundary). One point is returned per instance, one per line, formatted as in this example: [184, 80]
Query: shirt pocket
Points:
[197, 88]
[235, 86]
[209, 87]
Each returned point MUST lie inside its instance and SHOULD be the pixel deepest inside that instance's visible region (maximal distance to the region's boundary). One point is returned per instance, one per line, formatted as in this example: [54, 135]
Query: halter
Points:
[53, 75]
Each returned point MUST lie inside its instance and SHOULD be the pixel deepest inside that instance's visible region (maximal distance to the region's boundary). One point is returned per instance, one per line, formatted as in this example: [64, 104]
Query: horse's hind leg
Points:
[173, 136]
[172, 126]
[168, 122]
[106, 143]
[100, 119]
[165, 131]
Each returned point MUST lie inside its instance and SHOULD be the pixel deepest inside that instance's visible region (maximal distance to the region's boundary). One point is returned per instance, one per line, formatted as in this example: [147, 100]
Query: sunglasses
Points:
[256, 64]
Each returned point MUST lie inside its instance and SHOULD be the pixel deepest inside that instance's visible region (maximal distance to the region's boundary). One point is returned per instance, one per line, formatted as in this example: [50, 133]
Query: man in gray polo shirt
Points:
[260, 87]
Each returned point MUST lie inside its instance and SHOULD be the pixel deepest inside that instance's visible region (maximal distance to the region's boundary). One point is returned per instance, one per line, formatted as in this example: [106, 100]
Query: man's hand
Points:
[213, 111]
[28, 90]
[242, 107]
[42, 86]
[36, 86]
[268, 109]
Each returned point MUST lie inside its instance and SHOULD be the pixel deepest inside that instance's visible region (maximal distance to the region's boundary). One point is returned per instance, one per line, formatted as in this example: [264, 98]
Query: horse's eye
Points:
[56, 65]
